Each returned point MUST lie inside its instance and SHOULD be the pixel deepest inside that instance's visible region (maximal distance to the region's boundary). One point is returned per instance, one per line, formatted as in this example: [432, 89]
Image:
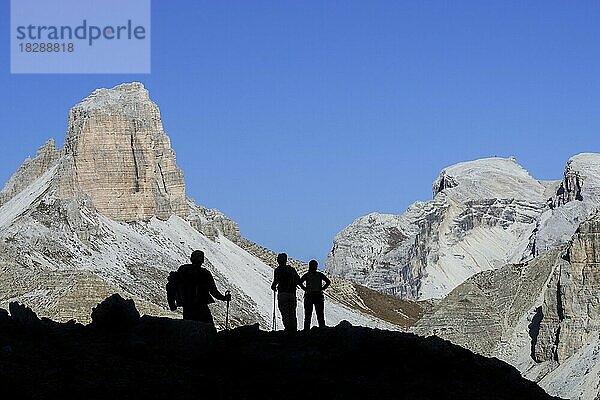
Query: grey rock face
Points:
[122, 157]
[376, 251]
[46, 157]
[542, 316]
[212, 223]
[485, 310]
[571, 308]
[577, 199]
[570, 188]
[69, 293]
[484, 214]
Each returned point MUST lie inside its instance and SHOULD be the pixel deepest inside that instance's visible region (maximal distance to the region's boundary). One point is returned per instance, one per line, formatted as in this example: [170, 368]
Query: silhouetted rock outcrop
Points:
[23, 314]
[115, 312]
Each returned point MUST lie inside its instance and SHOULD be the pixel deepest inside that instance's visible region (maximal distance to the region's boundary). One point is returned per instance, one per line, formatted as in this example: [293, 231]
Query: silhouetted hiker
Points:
[314, 282]
[285, 281]
[193, 288]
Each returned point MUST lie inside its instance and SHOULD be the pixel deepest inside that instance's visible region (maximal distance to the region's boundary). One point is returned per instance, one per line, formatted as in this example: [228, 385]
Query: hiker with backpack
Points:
[193, 288]
[314, 283]
[285, 281]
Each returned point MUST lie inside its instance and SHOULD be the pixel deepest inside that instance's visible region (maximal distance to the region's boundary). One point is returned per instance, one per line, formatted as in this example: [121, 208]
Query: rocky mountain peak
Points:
[30, 170]
[581, 177]
[484, 214]
[116, 97]
[122, 158]
[486, 178]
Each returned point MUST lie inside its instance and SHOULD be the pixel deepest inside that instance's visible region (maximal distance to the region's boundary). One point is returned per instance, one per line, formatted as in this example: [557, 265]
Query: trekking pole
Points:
[274, 326]
[227, 312]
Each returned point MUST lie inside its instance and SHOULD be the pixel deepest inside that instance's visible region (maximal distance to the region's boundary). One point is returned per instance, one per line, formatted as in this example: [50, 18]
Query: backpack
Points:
[172, 292]
[183, 288]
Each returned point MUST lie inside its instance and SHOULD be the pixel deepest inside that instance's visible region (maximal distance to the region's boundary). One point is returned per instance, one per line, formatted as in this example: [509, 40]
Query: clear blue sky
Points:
[296, 117]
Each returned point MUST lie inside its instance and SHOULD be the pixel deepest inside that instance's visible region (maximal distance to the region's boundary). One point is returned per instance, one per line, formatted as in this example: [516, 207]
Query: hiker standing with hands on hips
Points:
[193, 288]
[314, 283]
[285, 281]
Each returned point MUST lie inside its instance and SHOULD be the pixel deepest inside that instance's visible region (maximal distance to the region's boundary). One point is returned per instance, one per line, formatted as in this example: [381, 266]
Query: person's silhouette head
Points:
[197, 257]
[312, 265]
[282, 259]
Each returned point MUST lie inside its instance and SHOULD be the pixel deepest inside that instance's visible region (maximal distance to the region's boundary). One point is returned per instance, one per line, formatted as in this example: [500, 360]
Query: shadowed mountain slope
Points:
[160, 358]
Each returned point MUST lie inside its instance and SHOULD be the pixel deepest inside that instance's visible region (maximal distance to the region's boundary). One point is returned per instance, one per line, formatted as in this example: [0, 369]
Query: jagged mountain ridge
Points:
[108, 213]
[484, 214]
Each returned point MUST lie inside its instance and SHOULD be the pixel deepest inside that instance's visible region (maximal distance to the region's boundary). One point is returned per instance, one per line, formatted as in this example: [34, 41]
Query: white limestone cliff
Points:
[122, 157]
[542, 316]
[484, 214]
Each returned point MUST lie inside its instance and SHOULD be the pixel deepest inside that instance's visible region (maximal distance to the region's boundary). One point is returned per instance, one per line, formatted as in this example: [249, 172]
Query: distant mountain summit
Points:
[108, 213]
[484, 214]
[116, 155]
[122, 157]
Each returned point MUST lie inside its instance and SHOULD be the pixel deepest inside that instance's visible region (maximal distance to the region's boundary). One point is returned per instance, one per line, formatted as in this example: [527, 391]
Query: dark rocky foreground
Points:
[119, 356]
